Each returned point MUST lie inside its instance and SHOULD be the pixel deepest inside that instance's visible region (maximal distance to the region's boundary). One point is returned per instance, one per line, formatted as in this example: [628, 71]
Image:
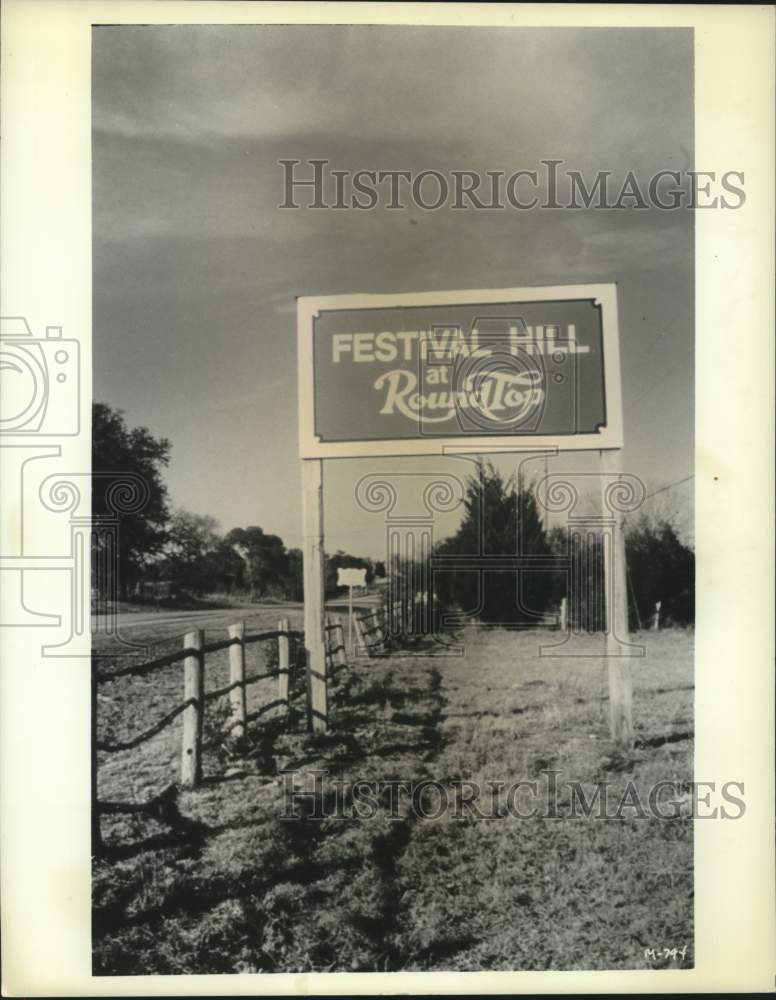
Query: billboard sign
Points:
[445, 372]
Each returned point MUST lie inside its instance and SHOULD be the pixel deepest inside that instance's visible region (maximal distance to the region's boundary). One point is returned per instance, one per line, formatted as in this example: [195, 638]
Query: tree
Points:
[265, 558]
[294, 586]
[500, 519]
[583, 586]
[190, 536]
[226, 568]
[118, 450]
[661, 569]
[198, 559]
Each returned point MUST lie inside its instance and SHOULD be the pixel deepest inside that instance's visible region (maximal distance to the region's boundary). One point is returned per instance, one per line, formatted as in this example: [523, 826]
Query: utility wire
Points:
[669, 486]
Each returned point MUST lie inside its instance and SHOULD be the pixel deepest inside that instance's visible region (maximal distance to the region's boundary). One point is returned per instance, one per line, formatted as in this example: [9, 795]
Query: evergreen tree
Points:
[501, 519]
[661, 569]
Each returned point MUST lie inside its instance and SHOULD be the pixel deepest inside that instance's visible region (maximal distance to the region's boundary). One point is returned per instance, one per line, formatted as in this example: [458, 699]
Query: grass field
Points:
[233, 887]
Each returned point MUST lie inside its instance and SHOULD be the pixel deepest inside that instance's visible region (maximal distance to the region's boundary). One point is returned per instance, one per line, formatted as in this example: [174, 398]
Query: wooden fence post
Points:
[193, 690]
[328, 643]
[350, 619]
[237, 678]
[312, 510]
[284, 661]
[339, 631]
[361, 636]
[380, 625]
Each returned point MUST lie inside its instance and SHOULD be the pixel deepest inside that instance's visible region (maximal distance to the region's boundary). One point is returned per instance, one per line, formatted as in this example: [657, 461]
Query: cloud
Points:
[196, 268]
[517, 91]
[190, 121]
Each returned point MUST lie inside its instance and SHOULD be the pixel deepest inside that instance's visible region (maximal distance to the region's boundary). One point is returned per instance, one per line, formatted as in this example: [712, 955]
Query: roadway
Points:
[135, 619]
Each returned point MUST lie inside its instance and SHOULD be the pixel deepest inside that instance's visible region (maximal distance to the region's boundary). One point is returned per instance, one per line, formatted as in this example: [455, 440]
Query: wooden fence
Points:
[374, 636]
[371, 631]
[195, 699]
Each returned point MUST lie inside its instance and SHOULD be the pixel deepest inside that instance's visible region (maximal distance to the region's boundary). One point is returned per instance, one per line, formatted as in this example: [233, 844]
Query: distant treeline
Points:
[165, 553]
[198, 559]
[501, 519]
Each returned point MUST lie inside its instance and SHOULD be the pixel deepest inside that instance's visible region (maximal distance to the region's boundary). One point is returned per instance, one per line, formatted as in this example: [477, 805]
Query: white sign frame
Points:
[348, 576]
[608, 437]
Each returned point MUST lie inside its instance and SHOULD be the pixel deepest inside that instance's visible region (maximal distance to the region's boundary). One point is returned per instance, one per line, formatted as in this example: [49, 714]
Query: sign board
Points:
[351, 577]
[446, 372]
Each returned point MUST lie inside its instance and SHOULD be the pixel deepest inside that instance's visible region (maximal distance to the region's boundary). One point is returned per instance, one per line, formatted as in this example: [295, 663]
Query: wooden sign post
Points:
[616, 613]
[351, 578]
[315, 648]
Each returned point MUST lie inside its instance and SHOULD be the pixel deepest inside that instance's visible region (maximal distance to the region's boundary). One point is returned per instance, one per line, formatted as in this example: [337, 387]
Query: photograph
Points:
[451, 269]
[387, 454]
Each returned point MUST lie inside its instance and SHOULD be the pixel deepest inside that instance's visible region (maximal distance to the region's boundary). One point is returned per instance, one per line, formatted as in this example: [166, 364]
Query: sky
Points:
[196, 268]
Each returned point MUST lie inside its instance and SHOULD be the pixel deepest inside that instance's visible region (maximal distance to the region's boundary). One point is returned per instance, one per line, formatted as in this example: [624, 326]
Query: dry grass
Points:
[245, 891]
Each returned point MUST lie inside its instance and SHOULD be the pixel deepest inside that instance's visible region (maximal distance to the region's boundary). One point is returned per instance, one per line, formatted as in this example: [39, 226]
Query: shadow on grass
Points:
[289, 851]
[659, 741]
